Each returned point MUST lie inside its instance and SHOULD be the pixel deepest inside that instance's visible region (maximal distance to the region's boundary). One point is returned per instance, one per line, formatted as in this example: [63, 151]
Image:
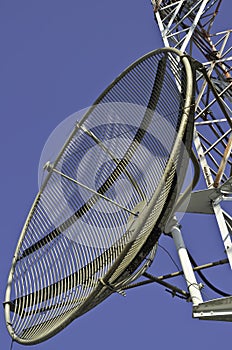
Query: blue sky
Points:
[56, 58]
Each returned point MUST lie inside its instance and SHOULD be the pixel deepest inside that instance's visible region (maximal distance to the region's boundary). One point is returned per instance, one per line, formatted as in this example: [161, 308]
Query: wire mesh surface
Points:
[86, 235]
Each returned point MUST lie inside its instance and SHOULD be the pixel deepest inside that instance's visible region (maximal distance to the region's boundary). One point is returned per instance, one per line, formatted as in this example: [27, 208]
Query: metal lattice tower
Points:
[189, 26]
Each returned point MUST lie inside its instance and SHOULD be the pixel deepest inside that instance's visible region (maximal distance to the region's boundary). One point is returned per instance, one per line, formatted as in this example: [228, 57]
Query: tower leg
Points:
[193, 286]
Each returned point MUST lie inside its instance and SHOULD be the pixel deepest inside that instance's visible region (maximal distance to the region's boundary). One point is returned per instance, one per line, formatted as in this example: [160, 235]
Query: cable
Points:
[204, 279]
[202, 276]
[167, 252]
[11, 345]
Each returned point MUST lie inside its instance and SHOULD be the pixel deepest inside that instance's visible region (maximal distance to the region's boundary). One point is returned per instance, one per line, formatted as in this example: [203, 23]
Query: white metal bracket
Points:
[216, 310]
[209, 202]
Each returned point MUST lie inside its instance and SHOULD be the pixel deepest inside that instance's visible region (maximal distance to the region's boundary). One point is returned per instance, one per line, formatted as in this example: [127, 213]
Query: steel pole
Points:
[193, 286]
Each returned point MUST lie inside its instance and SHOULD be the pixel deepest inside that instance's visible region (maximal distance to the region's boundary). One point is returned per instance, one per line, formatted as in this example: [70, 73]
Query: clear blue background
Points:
[56, 58]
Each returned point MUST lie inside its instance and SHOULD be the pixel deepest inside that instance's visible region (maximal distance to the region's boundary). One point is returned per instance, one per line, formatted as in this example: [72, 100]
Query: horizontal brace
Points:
[197, 268]
[177, 33]
[165, 284]
[218, 141]
[214, 101]
[223, 32]
[221, 60]
[159, 279]
[169, 286]
[212, 121]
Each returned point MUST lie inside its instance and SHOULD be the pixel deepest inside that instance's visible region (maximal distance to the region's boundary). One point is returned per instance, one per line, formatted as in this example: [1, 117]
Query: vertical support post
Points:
[225, 234]
[193, 286]
[193, 26]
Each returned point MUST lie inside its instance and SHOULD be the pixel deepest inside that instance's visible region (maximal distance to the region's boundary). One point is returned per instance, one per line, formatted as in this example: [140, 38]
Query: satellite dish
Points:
[83, 241]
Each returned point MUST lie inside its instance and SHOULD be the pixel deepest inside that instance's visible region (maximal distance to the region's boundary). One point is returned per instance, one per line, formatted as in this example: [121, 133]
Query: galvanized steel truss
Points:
[188, 26]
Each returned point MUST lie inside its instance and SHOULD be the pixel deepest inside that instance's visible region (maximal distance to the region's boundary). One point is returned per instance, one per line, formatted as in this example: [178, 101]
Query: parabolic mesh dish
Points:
[106, 198]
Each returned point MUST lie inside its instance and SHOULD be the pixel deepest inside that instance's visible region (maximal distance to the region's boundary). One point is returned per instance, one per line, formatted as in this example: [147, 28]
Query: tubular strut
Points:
[216, 309]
